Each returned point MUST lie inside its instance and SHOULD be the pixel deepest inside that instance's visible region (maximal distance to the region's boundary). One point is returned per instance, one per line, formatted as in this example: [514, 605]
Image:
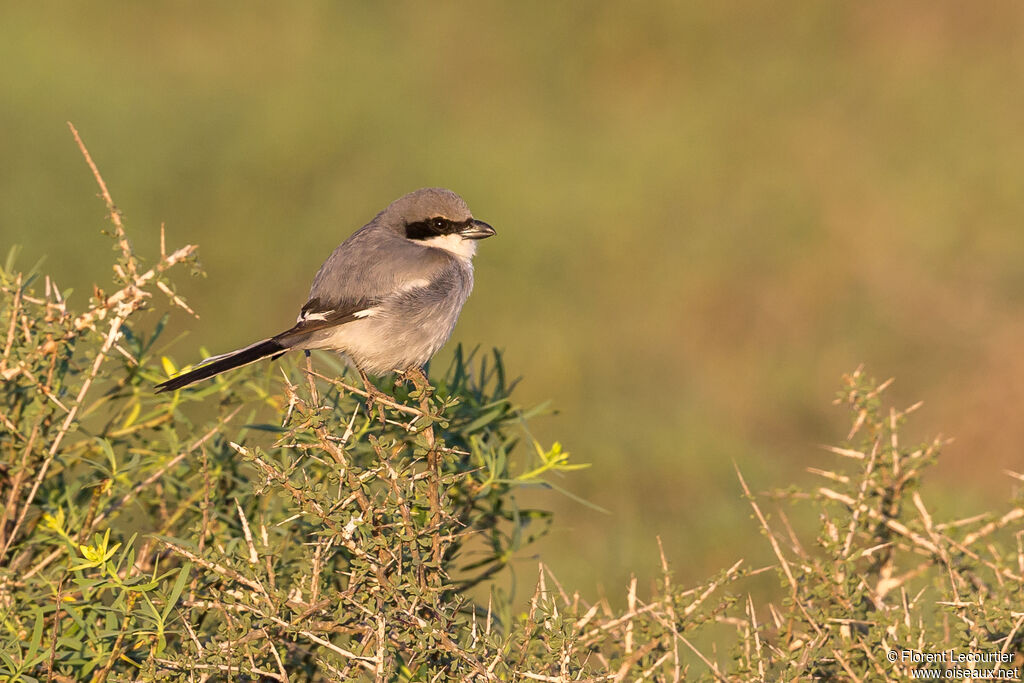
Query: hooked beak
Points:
[477, 230]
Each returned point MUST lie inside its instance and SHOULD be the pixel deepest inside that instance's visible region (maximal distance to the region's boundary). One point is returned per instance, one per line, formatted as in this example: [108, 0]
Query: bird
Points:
[387, 298]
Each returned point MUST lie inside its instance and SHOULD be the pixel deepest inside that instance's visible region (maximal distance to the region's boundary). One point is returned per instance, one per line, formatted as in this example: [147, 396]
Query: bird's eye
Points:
[439, 223]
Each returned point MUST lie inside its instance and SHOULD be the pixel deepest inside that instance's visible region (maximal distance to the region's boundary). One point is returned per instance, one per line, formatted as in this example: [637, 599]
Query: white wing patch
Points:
[418, 283]
[322, 315]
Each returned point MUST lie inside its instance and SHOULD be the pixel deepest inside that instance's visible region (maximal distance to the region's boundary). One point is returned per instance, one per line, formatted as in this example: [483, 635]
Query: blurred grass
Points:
[706, 213]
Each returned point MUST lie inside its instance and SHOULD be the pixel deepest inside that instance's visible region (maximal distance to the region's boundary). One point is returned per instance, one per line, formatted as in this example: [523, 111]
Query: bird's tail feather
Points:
[224, 362]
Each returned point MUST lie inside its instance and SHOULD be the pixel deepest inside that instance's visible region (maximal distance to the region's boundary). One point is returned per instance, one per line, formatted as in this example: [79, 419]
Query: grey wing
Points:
[369, 268]
[320, 315]
[371, 265]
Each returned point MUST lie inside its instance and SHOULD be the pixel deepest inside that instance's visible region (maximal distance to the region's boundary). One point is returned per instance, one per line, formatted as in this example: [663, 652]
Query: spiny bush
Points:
[273, 524]
[138, 538]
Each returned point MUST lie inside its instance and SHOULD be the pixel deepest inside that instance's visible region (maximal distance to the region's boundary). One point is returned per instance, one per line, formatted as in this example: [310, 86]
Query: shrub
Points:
[271, 524]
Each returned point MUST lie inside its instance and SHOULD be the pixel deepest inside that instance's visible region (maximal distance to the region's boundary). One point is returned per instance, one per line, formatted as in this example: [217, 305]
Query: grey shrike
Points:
[387, 298]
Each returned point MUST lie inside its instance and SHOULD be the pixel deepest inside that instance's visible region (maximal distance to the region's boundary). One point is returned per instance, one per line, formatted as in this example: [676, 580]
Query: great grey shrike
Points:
[387, 297]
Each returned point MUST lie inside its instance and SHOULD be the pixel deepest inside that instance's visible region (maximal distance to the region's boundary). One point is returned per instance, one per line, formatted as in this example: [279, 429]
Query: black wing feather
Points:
[334, 314]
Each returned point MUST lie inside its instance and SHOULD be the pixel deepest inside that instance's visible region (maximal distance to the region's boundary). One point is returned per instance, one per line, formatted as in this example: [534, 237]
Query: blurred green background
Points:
[707, 212]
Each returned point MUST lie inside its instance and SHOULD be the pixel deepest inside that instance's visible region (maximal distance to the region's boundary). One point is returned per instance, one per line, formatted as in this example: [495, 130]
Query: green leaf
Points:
[483, 420]
[108, 451]
[37, 634]
[179, 586]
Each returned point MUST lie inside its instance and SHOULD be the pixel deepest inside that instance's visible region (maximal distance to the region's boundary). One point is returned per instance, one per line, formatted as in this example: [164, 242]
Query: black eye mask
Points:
[433, 227]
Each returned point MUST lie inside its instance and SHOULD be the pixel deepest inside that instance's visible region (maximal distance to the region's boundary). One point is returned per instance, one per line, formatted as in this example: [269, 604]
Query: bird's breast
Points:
[404, 330]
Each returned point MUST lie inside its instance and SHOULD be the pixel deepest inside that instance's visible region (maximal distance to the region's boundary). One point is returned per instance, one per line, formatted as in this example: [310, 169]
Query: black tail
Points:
[228, 361]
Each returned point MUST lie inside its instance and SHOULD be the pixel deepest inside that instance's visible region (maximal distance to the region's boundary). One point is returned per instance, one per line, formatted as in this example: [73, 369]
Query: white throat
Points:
[454, 244]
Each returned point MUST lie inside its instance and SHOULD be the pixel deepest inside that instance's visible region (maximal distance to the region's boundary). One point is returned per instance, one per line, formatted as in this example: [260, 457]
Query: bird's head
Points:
[439, 218]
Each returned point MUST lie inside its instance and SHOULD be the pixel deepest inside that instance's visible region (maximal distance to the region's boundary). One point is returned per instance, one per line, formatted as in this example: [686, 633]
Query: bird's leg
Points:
[374, 396]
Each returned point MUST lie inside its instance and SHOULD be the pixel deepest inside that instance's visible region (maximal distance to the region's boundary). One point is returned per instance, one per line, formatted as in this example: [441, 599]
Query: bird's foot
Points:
[375, 398]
